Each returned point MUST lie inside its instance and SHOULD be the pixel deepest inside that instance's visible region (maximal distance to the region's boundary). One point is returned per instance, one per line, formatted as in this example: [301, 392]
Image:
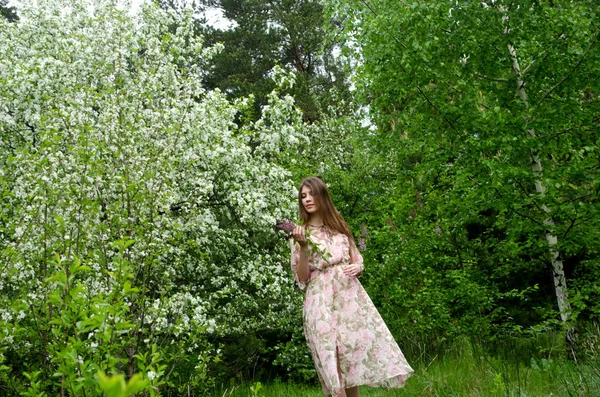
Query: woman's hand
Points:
[352, 270]
[299, 235]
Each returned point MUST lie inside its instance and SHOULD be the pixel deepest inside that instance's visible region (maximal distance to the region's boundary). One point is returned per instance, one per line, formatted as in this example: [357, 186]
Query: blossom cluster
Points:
[132, 201]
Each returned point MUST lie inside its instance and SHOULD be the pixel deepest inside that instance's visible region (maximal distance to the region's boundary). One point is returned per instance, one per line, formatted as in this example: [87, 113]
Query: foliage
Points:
[116, 386]
[448, 196]
[288, 33]
[136, 216]
[142, 168]
[7, 12]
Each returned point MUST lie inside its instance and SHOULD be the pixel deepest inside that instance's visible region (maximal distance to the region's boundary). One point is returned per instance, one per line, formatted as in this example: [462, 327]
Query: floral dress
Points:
[341, 323]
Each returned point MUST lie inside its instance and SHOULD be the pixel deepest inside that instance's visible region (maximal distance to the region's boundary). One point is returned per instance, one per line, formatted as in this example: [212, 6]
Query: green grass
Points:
[447, 380]
[467, 371]
[450, 378]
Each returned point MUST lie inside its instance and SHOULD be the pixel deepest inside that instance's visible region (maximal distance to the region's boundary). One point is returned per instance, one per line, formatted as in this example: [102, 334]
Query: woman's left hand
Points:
[352, 270]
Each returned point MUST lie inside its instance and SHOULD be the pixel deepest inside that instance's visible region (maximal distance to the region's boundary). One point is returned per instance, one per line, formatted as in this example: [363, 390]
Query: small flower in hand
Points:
[302, 236]
[285, 225]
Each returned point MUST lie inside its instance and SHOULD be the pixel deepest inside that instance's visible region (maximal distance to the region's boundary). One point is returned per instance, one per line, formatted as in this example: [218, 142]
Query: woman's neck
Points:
[315, 220]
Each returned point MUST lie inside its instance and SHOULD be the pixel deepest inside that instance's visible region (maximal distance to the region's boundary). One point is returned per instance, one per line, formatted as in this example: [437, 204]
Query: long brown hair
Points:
[330, 216]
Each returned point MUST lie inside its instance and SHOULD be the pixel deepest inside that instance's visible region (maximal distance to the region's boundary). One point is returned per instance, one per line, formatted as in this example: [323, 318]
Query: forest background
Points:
[146, 157]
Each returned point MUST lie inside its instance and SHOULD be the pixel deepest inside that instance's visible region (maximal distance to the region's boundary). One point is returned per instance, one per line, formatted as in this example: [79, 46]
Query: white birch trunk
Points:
[560, 283]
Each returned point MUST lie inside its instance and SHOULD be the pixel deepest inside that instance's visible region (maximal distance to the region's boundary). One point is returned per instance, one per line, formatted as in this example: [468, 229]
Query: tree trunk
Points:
[560, 283]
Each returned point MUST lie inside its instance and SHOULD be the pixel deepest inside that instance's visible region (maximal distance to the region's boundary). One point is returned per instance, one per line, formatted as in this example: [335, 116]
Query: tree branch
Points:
[483, 76]
[576, 198]
[569, 228]
[569, 73]
[530, 218]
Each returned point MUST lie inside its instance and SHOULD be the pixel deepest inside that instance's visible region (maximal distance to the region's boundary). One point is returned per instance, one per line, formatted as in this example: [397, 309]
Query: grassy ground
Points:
[450, 379]
[466, 372]
[447, 380]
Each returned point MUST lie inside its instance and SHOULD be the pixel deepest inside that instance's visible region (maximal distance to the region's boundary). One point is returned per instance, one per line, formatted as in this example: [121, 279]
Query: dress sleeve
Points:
[356, 257]
[295, 258]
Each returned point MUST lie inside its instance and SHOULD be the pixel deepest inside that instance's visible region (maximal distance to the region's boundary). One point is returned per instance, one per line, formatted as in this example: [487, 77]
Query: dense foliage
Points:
[145, 158]
[136, 217]
[288, 33]
[479, 107]
[7, 11]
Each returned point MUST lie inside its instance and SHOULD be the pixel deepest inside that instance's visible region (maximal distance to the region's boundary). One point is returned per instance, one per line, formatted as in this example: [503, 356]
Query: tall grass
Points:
[524, 368]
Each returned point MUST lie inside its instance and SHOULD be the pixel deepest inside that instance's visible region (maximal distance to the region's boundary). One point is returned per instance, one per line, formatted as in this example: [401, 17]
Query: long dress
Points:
[341, 324]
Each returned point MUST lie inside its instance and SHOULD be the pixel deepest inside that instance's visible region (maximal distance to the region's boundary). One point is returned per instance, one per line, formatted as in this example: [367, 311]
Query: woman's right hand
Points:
[299, 235]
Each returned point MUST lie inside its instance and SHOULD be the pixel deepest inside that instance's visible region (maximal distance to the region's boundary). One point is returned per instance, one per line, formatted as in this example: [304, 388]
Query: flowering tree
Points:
[135, 214]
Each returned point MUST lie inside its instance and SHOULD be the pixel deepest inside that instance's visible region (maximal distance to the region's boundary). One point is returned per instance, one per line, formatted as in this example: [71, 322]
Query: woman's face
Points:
[308, 200]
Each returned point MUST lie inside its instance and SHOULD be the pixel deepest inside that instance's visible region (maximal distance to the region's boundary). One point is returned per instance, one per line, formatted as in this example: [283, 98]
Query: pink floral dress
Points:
[341, 322]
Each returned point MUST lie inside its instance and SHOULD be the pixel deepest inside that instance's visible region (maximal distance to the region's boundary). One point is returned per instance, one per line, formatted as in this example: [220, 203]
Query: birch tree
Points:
[492, 139]
[560, 283]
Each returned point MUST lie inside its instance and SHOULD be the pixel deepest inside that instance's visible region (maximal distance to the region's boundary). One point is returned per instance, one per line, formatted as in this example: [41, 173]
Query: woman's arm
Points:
[302, 269]
[356, 266]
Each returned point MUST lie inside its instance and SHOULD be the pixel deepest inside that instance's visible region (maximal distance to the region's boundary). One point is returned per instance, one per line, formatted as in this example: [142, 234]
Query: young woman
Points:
[349, 342]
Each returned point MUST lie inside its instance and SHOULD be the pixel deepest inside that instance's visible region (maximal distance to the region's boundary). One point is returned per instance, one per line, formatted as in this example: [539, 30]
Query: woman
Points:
[349, 342]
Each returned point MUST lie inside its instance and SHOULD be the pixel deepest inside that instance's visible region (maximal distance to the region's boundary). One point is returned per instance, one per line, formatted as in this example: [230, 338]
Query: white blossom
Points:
[107, 135]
